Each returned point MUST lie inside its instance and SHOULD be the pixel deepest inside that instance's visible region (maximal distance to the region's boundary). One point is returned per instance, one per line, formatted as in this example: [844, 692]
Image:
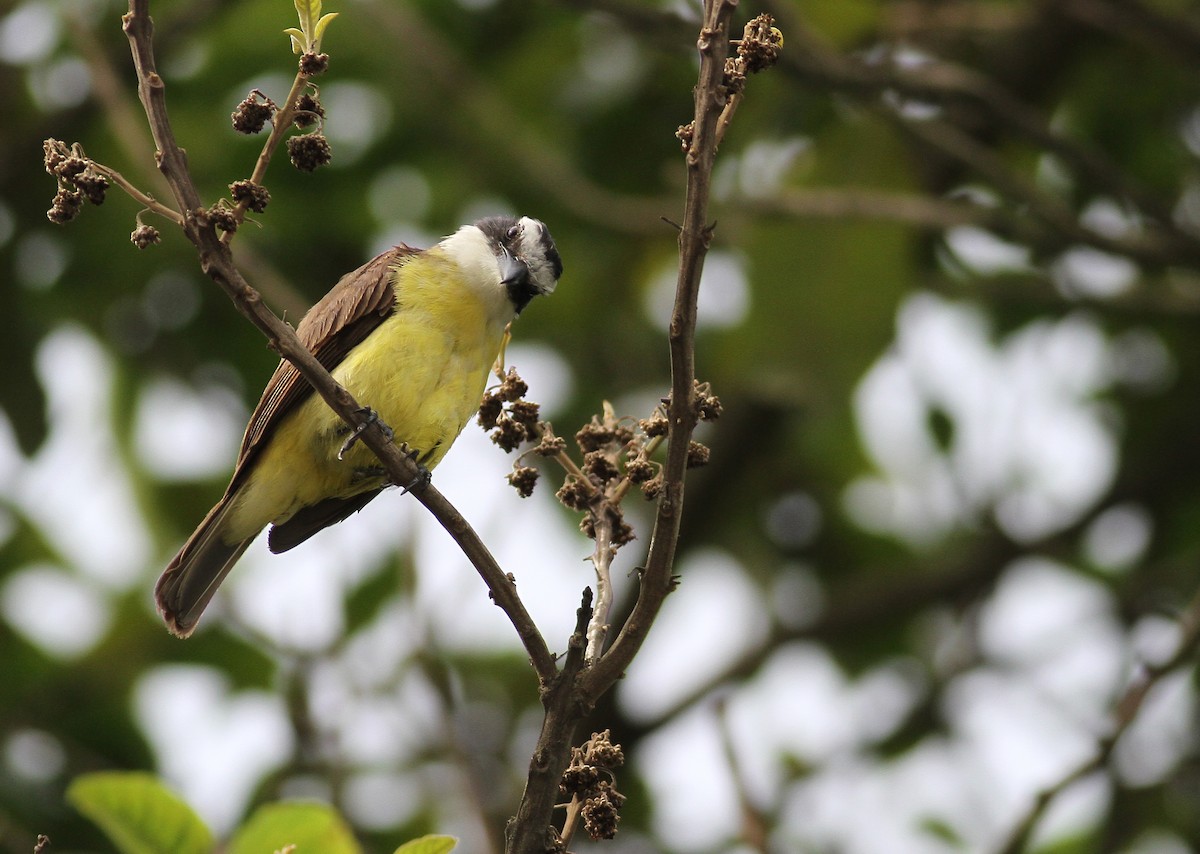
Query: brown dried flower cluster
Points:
[589, 780]
[758, 49]
[79, 180]
[616, 453]
[253, 113]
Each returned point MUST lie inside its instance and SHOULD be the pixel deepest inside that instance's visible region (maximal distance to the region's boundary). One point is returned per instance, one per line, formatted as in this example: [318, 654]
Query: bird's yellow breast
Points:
[423, 370]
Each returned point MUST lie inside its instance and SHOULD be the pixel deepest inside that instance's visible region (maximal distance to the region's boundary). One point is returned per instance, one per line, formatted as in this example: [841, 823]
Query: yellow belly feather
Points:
[423, 370]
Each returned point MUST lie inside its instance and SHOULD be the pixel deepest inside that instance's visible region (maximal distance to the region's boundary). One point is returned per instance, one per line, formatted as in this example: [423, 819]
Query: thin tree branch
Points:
[281, 122]
[217, 263]
[530, 831]
[1125, 712]
[602, 557]
[1158, 246]
[574, 692]
[694, 237]
[1136, 22]
[481, 107]
[812, 60]
[145, 200]
[127, 127]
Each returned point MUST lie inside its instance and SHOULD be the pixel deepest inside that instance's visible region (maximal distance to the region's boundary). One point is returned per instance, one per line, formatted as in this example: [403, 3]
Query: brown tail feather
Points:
[192, 577]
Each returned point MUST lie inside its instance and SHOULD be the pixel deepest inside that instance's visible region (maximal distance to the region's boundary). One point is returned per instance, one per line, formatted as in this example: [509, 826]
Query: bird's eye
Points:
[513, 232]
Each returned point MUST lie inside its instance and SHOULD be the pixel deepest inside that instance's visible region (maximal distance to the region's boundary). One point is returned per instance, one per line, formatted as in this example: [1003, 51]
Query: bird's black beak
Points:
[514, 275]
[513, 271]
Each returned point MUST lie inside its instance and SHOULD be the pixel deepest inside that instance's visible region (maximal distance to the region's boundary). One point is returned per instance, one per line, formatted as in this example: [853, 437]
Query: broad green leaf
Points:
[429, 844]
[313, 828]
[139, 814]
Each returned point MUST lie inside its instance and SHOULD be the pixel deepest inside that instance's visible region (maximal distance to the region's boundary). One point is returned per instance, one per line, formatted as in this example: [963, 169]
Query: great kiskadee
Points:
[413, 334]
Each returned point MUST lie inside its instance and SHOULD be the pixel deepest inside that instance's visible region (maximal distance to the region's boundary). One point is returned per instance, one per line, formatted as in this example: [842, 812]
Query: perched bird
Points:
[413, 334]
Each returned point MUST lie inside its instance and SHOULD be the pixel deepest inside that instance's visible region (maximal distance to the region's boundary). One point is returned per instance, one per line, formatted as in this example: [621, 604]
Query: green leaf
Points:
[319, 31]
[297, 39]
[313, 828]
[139, 814]
[307, 11]
[430, 844]
[307, 39]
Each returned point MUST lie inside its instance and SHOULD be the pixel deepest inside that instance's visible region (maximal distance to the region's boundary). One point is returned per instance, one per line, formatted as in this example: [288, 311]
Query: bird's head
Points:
[528, 261]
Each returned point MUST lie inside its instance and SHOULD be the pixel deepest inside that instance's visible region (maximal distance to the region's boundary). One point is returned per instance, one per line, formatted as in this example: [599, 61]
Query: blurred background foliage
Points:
[954, 503]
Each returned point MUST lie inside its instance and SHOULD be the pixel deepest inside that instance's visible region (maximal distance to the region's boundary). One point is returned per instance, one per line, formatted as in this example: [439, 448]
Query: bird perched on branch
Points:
[413, 334]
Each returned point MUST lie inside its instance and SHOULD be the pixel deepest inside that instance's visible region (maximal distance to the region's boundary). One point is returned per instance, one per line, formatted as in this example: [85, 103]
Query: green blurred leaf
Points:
[943, 832]
[312, 828]
[365, 601]
[1081, 842]
[431, 844]
[139, 814]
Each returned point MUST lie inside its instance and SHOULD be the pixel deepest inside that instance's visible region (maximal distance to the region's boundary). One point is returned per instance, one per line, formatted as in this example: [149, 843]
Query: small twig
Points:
[622, 489]
[726, 117]
[755, 824]
[602, 555]
[144, 199]
[571, 822]
[1155, 246]
[1125, 712]
[565, 461]
[280, 123]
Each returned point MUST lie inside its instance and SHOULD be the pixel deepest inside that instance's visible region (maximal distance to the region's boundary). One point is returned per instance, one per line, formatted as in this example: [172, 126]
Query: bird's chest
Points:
[423, 372]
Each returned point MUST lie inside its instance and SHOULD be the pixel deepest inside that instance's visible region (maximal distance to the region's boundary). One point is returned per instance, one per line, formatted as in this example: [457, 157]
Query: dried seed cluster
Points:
[309, 152]
[758, 49]
[308, 110]
[761, 45]
[512, 420]
[223, 218]
[253, 113]
[255, 196]
[706, 405]
[615, 453]
[312, 64]
[144, 235]
[505, 413]
[78, 178]
[590, 780]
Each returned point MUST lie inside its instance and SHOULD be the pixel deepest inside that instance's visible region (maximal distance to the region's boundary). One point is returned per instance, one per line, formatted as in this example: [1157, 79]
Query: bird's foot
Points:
[370, 416]
[424, 476]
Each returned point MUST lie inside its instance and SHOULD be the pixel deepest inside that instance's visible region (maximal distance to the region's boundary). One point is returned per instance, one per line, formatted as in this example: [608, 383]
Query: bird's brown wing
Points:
[353, 308]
